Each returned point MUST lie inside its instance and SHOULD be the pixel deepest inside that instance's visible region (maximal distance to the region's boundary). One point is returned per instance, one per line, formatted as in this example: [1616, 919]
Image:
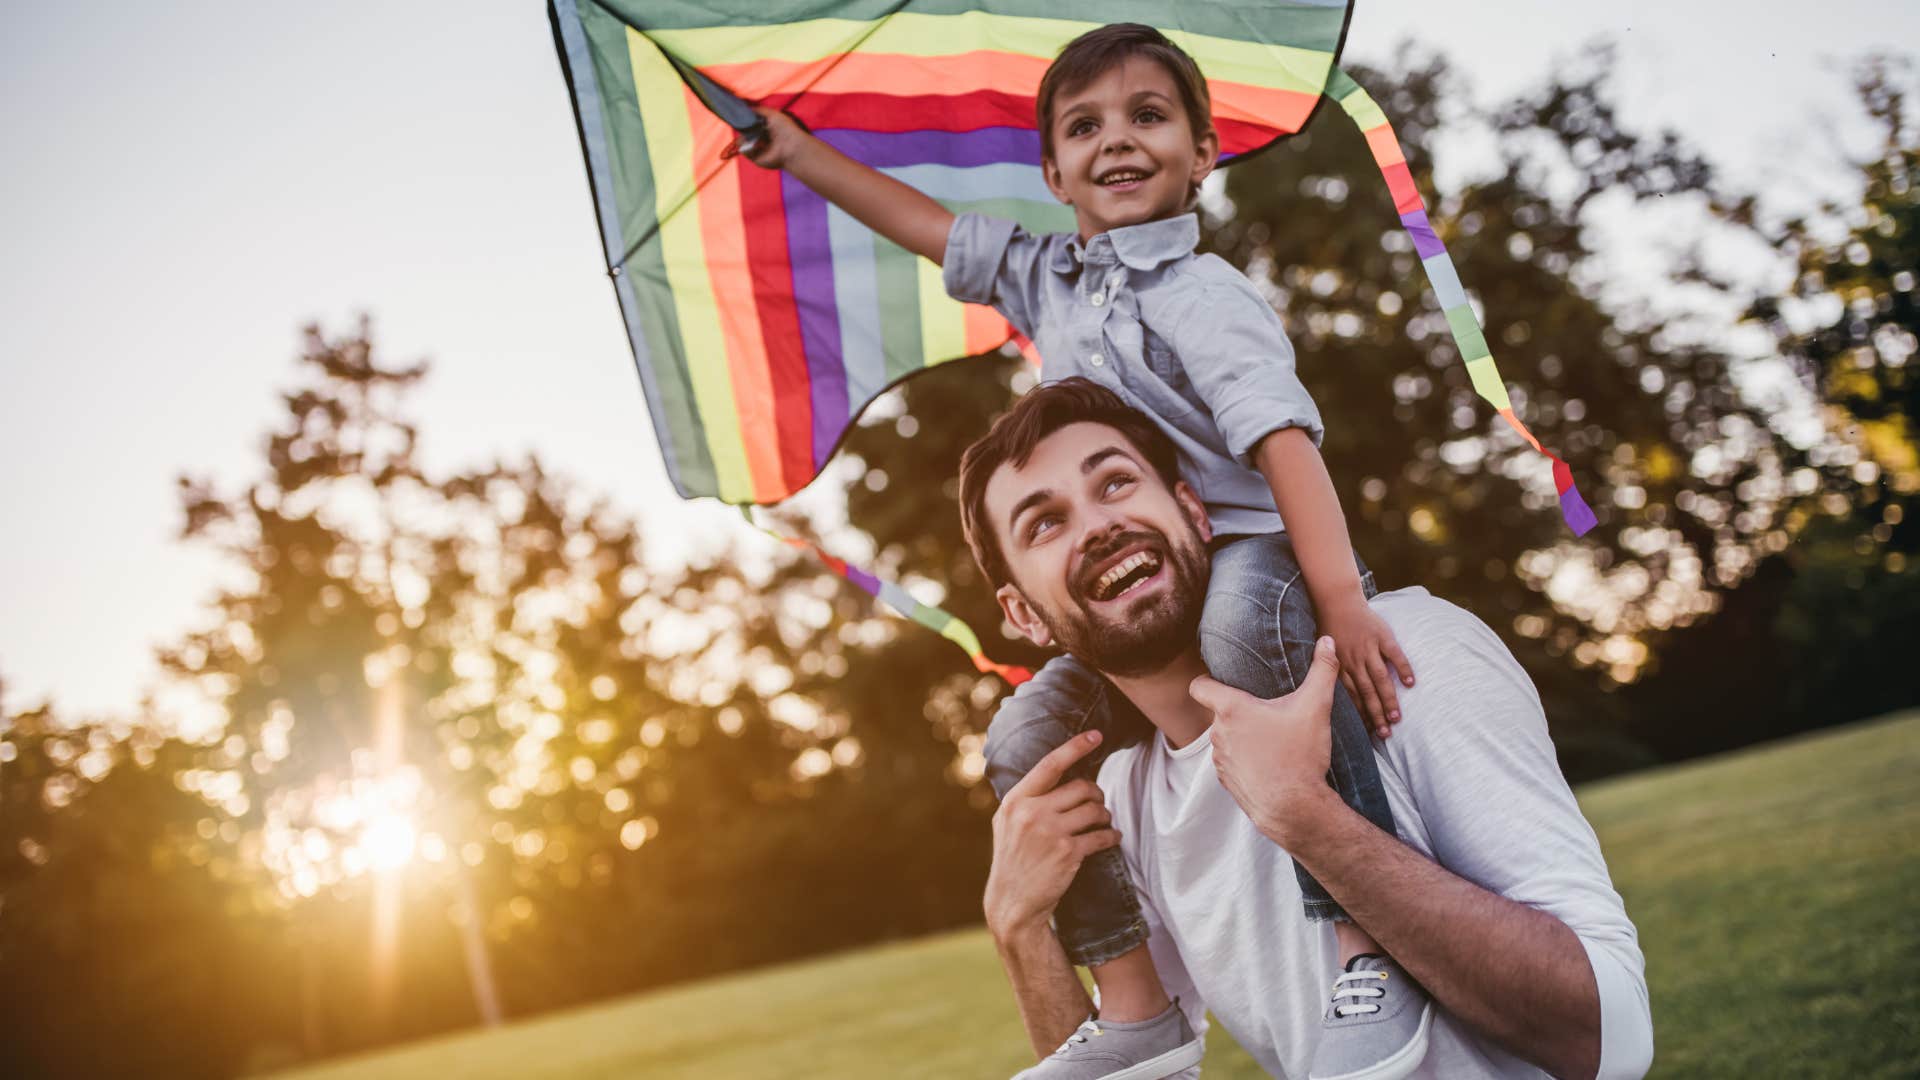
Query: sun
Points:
[388, 840]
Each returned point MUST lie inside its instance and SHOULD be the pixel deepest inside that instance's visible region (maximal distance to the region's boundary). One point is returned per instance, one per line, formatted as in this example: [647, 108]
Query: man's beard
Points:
[1138, 639]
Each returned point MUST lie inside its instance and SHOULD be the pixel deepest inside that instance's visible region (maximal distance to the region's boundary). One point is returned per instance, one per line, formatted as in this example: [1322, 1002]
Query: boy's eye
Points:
[1080, 126]
[1148, 116]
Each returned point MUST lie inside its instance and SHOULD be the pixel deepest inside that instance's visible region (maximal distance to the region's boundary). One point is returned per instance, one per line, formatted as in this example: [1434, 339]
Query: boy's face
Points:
[1124, 151]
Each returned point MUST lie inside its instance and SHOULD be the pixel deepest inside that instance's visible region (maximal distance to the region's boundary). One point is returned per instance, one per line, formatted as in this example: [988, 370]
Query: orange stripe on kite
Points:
[986, 330]
[723, 231]
[1386, 148]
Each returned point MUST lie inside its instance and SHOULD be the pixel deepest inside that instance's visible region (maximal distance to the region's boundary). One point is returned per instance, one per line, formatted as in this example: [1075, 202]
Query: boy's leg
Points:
[1256, 634]
[1098, 920]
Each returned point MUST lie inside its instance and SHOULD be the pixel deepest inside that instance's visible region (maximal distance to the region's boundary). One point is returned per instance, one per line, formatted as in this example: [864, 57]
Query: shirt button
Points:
[1097, 299]
[1096, 359]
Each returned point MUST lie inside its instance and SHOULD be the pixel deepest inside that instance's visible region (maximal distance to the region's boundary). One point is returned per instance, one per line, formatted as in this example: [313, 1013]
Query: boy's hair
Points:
[1106, 47]
[1011, 440]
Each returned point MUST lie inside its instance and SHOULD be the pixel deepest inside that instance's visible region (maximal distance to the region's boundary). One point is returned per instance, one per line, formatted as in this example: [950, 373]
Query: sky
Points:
[185, 185]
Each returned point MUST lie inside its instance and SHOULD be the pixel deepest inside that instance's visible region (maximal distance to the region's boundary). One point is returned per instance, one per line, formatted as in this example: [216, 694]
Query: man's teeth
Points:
[1121, 569]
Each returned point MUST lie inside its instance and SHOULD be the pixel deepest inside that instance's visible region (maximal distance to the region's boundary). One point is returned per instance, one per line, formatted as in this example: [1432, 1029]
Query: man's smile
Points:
[1132, 568]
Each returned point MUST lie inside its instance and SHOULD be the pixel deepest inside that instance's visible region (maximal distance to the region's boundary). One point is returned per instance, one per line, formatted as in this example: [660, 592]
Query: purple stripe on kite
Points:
[811, 255]
[1578, 514]
[960, 149]
[866, 581]
[1424, 241]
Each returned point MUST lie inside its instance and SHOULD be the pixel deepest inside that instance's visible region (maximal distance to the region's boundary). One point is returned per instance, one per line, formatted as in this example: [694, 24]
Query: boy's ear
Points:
[1056, 182]
[1013, 604]
[1206, 156]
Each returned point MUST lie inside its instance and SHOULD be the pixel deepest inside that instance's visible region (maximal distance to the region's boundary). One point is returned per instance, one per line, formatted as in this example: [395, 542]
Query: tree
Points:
[1850, 324]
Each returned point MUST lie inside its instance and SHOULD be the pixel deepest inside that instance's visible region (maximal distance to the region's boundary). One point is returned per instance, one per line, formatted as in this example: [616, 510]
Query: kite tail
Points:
[897, 598]
[1467, 335]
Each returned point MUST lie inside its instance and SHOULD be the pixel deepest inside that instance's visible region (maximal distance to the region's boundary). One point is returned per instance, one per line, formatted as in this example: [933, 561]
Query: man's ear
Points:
[1207, 155]
[1195, 510]
[1013, 604]
[1056, 181]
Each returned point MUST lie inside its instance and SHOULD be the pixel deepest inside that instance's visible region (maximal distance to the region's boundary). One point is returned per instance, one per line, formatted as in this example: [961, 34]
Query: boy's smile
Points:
[1124, 150]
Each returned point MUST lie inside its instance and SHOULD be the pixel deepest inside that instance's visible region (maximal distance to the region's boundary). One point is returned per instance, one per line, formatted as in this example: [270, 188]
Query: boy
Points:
[1126, 138]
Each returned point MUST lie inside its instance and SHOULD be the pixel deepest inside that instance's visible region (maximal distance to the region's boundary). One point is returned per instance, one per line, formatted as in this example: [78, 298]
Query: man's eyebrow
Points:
[1032, 500]
[1094, 459]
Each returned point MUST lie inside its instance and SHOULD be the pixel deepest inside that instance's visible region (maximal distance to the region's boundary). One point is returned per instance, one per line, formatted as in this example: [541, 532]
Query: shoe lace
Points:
[1354, 985]
[1087, 1028]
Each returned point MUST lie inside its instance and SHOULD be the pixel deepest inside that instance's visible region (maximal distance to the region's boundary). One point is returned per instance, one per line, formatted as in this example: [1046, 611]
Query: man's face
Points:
[1124, 151]
[1105, 560]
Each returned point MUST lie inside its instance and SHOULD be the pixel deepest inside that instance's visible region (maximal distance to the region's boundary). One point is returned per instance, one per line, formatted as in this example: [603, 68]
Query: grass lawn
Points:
[1775, 892]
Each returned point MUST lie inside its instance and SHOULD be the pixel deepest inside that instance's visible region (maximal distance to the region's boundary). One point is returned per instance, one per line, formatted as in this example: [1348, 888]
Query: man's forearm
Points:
[1051, 1000]
[1514, 973]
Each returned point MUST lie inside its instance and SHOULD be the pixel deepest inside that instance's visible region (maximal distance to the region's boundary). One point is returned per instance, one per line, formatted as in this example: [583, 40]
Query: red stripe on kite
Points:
[772, 272]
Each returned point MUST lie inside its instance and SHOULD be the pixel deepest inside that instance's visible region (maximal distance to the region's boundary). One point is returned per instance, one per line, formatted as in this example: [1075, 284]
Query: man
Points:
[1495, 897]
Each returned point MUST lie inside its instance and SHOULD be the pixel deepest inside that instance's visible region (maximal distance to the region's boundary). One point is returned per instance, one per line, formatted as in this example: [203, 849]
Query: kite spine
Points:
[1467, 333]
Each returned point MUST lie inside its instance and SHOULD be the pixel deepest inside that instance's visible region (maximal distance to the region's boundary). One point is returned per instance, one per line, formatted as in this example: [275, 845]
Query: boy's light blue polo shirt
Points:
[1184, 338]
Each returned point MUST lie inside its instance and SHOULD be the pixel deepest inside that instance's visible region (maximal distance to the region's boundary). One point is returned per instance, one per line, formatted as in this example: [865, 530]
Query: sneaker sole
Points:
[1403, 1061]
[1165, 1065]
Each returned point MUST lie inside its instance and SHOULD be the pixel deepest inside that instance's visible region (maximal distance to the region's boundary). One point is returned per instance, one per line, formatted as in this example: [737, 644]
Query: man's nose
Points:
[1102, 526]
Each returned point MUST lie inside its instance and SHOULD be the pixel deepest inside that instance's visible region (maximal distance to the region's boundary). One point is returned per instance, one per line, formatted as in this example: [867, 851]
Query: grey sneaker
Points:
[1376, 1026]
[1104, 1050]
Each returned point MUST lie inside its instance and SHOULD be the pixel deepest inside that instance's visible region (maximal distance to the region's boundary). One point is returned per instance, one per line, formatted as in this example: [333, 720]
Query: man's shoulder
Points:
[1468, 686]
[1420, 613]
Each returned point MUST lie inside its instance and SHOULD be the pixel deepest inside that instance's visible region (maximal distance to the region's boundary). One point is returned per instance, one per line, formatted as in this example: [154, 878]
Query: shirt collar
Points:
[1141, 247]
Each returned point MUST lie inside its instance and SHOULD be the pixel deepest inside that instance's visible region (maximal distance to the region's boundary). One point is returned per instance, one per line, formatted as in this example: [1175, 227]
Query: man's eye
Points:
[1040, 525]
[1115, 483]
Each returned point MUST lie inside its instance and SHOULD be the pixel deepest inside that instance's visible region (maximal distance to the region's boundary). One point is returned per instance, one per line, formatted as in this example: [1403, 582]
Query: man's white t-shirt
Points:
[1474, 785]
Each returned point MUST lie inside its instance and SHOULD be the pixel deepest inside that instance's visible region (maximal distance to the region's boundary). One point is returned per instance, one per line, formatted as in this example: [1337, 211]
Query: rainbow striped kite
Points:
[763, 319]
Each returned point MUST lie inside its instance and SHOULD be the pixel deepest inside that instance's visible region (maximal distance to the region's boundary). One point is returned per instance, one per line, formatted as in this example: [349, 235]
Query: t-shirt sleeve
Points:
[1236, 355]
[994, 261]
[1480, 769]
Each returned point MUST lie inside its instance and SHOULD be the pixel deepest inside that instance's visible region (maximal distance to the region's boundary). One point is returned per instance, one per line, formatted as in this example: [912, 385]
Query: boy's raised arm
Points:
[1370, 658]
[900, 213]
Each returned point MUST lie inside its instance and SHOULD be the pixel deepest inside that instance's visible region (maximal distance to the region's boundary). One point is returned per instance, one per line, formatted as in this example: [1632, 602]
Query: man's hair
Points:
[1097, 51]
[1013, 436]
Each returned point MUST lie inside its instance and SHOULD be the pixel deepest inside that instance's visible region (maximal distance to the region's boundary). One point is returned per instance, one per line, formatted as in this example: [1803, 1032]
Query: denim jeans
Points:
[1256, 633]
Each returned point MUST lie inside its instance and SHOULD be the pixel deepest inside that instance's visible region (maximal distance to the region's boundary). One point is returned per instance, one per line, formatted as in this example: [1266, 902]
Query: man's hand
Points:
[1272, 755]
[1041, 833]
[1370, 661]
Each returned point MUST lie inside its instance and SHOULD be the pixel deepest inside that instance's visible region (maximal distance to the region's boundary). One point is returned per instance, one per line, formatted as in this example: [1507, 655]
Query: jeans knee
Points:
[1239, 640]
[1038, 716]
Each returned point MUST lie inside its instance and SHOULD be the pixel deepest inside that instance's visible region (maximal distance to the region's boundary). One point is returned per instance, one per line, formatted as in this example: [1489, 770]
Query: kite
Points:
[763, 319]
